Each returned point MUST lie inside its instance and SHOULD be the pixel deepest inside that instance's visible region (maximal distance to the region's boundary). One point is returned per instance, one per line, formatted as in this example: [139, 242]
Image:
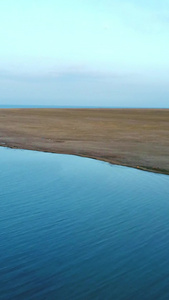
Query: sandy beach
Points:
[136, 138]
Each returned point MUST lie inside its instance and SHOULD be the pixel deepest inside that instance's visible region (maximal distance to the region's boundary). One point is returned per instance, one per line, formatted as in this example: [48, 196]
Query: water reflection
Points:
[76, 228]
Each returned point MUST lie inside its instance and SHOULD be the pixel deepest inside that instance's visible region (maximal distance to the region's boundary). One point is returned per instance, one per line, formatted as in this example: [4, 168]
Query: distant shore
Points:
[137, 138]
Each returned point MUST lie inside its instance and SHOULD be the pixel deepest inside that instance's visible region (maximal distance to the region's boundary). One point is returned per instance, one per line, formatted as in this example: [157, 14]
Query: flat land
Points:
[137, 138]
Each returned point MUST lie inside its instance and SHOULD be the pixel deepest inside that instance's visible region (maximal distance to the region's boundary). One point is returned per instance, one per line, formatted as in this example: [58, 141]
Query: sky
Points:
[84, 53]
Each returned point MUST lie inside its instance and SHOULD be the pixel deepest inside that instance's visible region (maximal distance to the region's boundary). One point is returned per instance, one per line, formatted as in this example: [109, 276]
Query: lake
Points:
[77, 228]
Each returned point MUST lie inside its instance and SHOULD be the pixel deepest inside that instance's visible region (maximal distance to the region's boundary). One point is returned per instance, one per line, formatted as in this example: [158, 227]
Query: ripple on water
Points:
[76, 228]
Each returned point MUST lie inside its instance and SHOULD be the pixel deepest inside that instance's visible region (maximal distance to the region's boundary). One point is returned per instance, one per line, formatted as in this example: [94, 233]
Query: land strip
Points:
[136, 138]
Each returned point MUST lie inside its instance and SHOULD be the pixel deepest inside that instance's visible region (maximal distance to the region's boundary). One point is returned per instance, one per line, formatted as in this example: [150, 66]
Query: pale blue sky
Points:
[90, 52]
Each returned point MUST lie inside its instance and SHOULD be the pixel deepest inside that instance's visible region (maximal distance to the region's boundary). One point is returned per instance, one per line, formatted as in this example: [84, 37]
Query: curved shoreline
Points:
[158, 171]
[137, 138]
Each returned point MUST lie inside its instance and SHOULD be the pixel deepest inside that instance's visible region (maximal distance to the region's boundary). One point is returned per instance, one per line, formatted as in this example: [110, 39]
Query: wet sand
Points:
[136, 138]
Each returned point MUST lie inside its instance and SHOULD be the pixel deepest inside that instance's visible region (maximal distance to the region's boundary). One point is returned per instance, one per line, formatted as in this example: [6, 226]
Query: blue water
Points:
[76, 228]
[68, 106]
[57, 106]
[44, 106]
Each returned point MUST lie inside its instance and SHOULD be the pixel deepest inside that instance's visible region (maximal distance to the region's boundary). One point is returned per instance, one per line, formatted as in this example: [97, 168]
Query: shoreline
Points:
[136, 138]
[145, 169]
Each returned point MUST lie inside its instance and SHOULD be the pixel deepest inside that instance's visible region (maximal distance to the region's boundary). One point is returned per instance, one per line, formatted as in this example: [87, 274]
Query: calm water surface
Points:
[76, 228]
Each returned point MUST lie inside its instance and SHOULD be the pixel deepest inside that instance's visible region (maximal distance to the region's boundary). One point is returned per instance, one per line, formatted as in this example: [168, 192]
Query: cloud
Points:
[56, 74]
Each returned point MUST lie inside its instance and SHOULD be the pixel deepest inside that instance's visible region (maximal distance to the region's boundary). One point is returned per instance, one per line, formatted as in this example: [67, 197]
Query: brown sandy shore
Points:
[136, 138]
